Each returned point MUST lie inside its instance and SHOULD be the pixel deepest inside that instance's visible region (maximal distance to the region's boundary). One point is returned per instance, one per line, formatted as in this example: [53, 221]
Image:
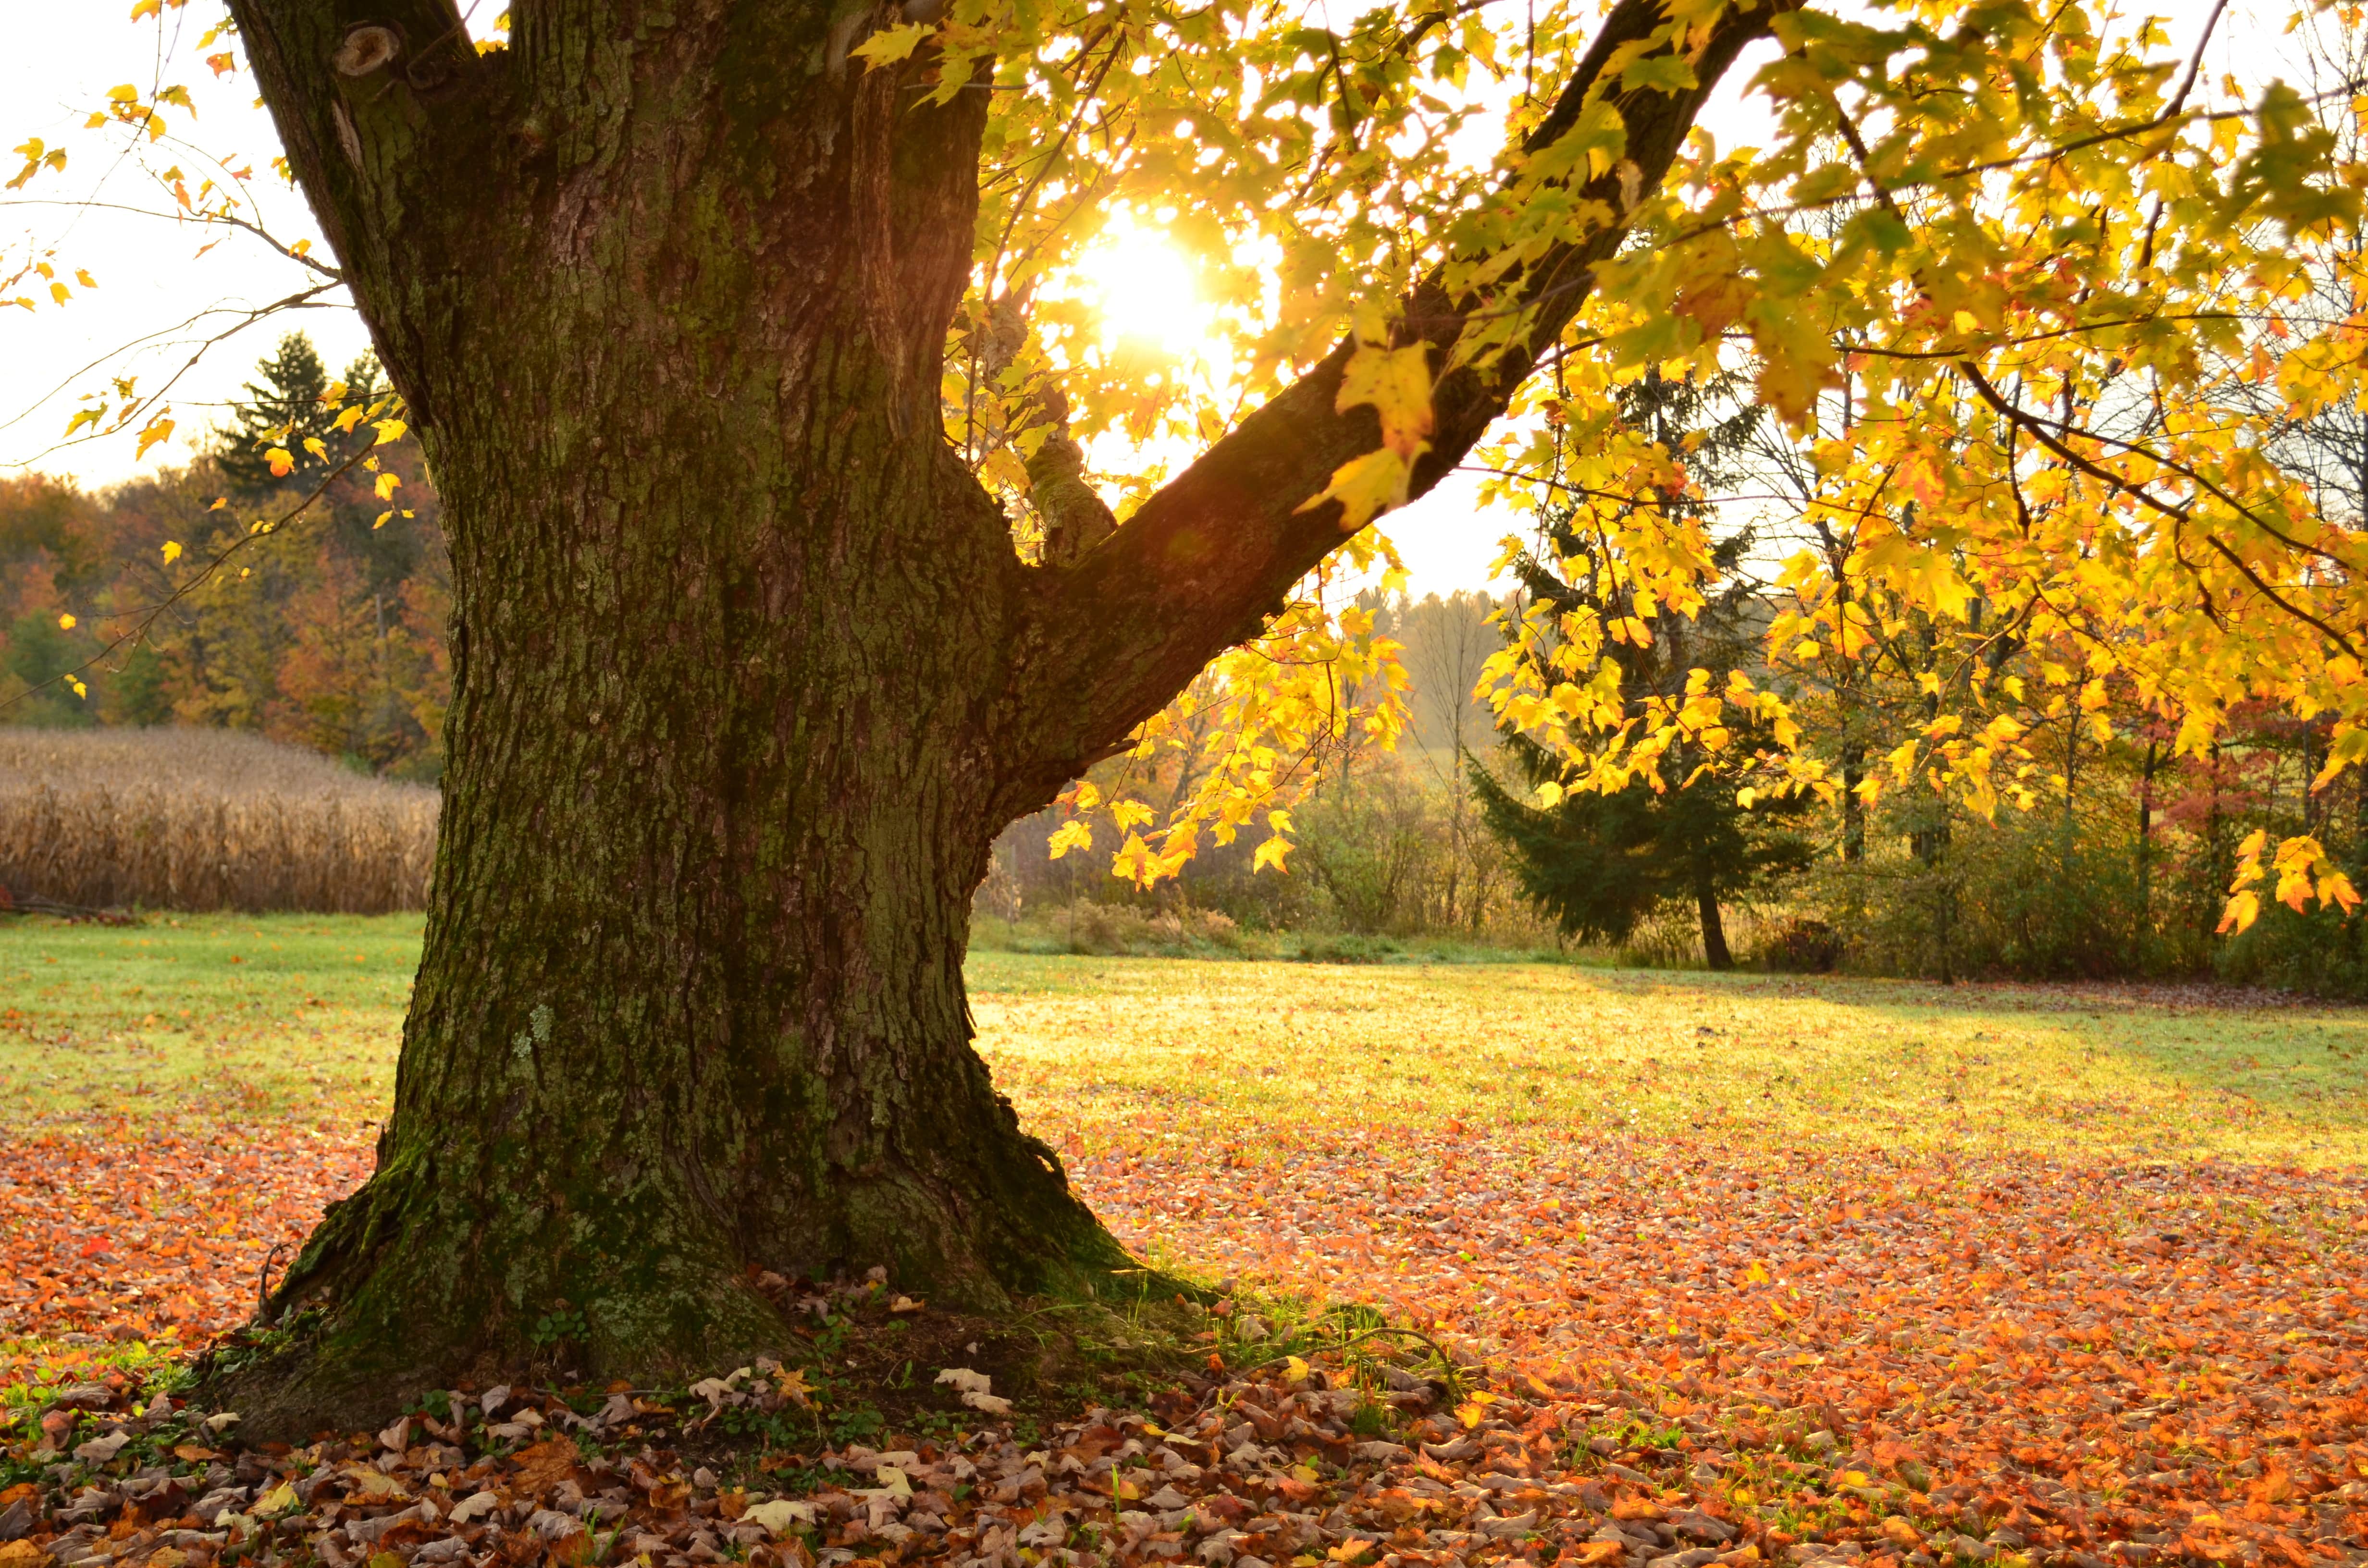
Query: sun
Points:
[1145, 291]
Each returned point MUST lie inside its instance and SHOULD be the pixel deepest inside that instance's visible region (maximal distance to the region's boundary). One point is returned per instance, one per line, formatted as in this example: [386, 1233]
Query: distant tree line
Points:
[2108, 854]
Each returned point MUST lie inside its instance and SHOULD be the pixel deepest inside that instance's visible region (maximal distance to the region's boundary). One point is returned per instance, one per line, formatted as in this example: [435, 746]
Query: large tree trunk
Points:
[729, 626]
[748, 672]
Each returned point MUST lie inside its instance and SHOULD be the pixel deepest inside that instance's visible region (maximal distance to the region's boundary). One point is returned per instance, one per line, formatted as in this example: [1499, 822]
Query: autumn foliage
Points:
[326, 629]
[1672, 1346]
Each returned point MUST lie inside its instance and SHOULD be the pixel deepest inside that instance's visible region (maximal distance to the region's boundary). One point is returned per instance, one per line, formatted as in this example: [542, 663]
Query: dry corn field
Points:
[206, 819]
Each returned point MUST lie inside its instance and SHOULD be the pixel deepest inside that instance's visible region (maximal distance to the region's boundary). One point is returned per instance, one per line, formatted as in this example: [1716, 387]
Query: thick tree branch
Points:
[1199, 565]
[373, 103]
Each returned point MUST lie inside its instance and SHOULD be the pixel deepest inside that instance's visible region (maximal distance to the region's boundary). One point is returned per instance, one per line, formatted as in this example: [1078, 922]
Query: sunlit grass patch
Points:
[300, 1015]
[1114, 1049]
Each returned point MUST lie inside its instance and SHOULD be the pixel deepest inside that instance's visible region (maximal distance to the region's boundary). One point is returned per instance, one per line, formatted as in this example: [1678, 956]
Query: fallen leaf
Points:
[781, 1515]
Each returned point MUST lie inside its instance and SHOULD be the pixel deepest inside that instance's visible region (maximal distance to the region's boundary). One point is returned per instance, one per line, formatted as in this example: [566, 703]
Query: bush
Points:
[1347, 946]
[2320, 953]
[1803, 946]
[1396, 849]
[1116, 930]
[2033, 895]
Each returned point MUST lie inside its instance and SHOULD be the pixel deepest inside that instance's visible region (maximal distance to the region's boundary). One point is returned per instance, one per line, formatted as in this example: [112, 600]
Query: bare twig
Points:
[263, 1276]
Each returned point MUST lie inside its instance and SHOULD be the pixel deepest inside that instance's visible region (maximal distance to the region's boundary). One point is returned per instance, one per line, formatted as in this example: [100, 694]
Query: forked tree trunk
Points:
[748, 673]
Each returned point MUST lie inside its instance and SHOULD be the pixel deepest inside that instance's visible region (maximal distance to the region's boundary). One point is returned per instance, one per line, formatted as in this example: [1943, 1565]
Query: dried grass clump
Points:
[206, 819]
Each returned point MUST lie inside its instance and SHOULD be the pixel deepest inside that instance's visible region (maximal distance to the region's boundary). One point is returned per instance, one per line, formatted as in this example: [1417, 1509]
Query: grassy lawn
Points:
[1208, 1049]
[298, 1016]
[205, 1016]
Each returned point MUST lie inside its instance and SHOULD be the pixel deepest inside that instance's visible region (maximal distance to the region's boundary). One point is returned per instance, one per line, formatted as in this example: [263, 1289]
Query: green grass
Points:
[216, 1016]
[1130, 1046]
[299, 1016]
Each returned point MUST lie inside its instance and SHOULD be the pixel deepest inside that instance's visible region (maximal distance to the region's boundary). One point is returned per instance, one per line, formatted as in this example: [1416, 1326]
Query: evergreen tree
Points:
[1599, 863]
[286, 404]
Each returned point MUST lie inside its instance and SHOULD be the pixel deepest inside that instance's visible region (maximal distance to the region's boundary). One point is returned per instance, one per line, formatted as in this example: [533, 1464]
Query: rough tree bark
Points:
[748, 673]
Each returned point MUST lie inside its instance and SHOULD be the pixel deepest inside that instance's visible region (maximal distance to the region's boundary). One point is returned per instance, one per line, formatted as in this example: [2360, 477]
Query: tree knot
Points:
[368, 47]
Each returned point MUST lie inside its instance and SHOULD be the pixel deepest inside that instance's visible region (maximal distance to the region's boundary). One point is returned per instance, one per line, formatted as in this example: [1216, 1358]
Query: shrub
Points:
[1395, 848]
[1115, 930]
[1347, 947]
[2034, 895]
[1803, 946]
[2319, 953]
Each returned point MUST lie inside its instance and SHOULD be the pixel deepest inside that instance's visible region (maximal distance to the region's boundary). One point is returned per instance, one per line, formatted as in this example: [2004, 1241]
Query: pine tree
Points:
[1599, 863]
[285, 406]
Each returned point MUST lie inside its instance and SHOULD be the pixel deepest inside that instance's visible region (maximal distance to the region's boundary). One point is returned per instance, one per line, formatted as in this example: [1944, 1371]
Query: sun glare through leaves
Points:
[1145, 293]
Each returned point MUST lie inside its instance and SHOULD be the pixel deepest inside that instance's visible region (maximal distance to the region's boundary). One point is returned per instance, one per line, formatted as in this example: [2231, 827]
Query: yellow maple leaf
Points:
[891, 45]
[2242, 910]
[1366, 487]
[1397, 383]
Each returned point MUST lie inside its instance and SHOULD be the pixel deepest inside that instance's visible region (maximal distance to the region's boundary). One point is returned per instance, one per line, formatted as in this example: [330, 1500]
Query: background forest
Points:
[331, 639]
[328, 636]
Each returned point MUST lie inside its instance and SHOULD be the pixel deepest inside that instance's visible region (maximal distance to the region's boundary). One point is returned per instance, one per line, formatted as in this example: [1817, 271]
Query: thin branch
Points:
[304, 300]
[2046, 437]
[232, 219]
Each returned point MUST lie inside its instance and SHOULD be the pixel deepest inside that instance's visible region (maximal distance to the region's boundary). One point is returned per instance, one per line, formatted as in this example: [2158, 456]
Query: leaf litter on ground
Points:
[1661, 1360]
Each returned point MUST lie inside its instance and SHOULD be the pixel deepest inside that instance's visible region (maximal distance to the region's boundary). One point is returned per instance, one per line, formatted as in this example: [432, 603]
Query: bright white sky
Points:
[152, 287]
[156, 293]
